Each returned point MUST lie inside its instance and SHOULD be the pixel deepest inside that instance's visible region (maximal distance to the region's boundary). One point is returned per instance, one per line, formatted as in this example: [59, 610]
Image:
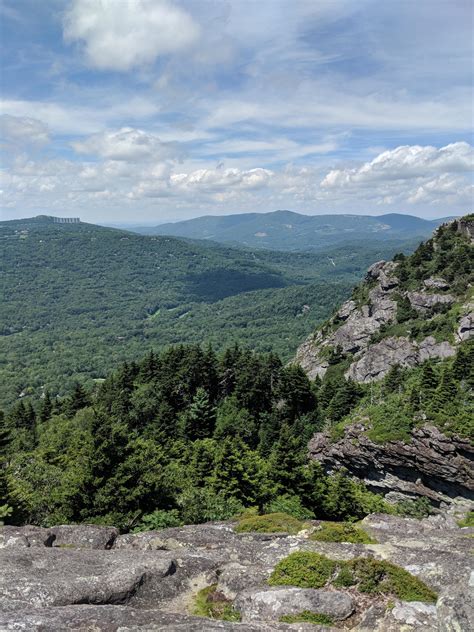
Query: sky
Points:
[146, 111]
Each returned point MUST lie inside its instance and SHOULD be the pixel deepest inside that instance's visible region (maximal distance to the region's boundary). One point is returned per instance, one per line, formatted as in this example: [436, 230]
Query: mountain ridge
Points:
[288, 230]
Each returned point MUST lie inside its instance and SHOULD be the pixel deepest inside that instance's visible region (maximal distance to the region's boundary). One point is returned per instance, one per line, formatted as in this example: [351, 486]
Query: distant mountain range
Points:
[286, 230]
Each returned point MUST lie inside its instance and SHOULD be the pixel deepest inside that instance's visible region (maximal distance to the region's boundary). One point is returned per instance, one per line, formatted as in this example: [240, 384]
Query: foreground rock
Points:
[272, 603]
[149, 581]
[431, 464]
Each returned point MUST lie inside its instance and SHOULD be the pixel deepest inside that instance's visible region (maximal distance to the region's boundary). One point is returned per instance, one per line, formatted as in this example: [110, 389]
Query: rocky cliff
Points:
[361, 327]
[418, 311]
[430, 464]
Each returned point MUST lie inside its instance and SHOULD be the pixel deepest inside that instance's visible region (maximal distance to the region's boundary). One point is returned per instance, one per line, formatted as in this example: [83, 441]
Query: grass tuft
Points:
[270, 523]
[307, 617]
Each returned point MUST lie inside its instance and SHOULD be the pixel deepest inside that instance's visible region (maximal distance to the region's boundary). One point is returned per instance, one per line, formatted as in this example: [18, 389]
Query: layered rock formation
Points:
[430, 465]
[149, 581]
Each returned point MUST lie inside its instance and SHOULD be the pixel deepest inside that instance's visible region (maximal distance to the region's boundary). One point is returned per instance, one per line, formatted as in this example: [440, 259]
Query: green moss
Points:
[382, 577]
[213, 605]
[468, 520]
[307, 617]
[303, 569]
[342, 532]
[312, 570]
[270, 523]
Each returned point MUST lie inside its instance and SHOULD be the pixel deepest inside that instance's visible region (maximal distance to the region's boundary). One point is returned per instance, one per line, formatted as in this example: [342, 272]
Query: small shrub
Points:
[270, 523]
[290, 505]
[159, 519]
[303, 569]
[342, 532]
[381, 577]
[419, 508]
[212, 604]
[367, 575]
[307, 617]
[468, 520]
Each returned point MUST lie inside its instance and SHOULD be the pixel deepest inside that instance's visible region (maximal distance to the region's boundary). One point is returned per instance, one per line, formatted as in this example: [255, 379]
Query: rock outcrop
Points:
[148, 581]
[361, 327]
[378, 359]
[430, 465]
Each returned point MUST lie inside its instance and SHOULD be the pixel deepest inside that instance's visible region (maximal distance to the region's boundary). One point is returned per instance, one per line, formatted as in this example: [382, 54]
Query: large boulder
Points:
[269, 604]
[25, 537]
[379, 358]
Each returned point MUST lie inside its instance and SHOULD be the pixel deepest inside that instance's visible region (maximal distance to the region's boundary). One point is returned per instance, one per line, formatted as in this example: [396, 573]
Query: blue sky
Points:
[157, 110]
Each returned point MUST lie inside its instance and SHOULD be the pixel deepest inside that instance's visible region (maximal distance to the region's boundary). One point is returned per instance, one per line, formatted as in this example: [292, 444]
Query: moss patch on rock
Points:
[307, 617]
[210, 603]
[342, 532]
[367, 575]
[303, 569]
[270, 523]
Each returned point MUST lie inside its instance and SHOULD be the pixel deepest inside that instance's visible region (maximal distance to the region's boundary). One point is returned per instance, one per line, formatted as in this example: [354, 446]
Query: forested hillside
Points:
[286, 230]
[78, 298]
[188, 435]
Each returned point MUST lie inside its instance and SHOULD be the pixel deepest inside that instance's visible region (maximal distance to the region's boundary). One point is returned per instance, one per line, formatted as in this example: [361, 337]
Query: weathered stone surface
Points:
[465, 329]
[424, 302]
[90, 618]
[429, 348]
[26, 536]
[374, 363]
[42, 577]
[235, 577]
[456, 609]
[409, 617]
[431, 465]
[134, 587]
[84, 536]
[436, 283]
[379, 358]
[272, 603]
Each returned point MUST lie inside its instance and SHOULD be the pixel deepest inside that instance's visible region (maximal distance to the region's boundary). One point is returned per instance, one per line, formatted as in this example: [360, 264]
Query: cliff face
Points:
[362, 326]
[417, 311]
[430, 465]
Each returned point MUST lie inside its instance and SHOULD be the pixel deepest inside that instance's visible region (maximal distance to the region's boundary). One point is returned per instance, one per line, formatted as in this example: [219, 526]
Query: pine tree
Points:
[197, 421]
[429, 382]
[46, 409]
[394, 379]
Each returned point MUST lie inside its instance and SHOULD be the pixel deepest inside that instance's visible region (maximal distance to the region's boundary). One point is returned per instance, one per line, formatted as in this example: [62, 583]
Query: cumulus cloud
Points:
[126, 34]
[403, 163]
[127, 144]
[214, 179]
[21, 130]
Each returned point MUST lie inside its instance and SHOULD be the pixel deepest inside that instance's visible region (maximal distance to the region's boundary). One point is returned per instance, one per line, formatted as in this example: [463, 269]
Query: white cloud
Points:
[214, 179]
[120, 35]
[21, 130]
[403, 163]
[64, 118]
[126, 144]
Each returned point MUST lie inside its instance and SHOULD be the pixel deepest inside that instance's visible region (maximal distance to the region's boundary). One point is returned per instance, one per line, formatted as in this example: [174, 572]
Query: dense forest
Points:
[188, 435]
[78, 299]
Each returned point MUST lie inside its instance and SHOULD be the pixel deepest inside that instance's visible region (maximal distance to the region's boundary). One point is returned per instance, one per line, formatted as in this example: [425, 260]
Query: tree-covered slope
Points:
[286, 230]
[78, 298]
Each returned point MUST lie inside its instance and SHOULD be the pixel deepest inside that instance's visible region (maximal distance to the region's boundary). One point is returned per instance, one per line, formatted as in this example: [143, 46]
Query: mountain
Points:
[286, 230]
[78, 298]
[396, 362]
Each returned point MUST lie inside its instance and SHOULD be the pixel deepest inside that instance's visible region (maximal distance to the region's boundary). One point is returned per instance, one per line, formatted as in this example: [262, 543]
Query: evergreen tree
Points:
[46, 408]
[197, 421]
